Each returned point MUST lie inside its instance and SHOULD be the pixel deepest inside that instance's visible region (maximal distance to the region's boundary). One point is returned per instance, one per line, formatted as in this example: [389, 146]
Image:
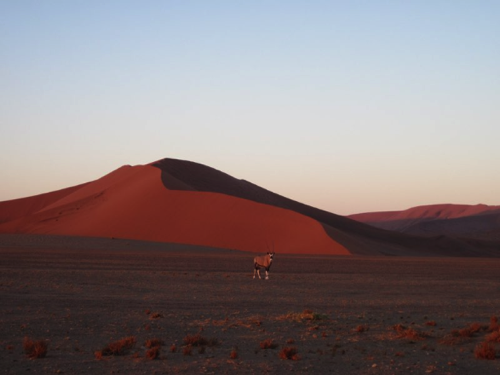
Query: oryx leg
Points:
[256, 270]
[267, 274]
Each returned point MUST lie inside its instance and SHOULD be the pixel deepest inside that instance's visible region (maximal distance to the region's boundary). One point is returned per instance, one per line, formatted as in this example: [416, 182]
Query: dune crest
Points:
[132, 202]
[184, 202]
[467, 221]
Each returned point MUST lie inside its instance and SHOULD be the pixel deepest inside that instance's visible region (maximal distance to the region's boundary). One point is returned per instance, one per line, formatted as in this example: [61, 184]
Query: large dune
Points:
[132, 202]
[184, 202]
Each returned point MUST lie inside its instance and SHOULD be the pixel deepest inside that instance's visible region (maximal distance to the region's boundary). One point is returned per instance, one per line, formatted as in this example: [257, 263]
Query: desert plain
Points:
[338, 314]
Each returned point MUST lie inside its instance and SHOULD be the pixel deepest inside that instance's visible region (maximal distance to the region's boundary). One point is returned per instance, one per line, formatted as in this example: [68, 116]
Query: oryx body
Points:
[263, 261]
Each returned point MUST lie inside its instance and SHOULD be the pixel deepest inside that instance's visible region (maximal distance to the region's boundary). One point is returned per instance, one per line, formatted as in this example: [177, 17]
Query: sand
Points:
[132, 203]
[185, 202]
[480, 222]
[81, 294]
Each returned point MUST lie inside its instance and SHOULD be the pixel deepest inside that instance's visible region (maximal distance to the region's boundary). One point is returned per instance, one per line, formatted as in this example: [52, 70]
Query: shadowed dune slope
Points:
[184, 202]
[466, 221]
[132, 202]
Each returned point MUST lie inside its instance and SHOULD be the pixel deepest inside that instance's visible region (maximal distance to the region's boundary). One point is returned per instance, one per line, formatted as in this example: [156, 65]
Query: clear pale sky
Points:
[350, 106]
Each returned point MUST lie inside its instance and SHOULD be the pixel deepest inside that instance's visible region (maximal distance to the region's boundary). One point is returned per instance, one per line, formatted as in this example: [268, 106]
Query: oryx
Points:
[263, 261]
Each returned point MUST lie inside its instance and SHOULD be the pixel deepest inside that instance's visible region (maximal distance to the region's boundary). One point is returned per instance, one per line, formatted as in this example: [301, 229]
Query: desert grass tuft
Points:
[155, 315]
[153, 353]
[120, 347]
[154, 346]
[493, 324]
[35, 349]
[362, 328]
[198, 340]
[467, 331]
[493, 337]
[151, 343]
[289, 353]
[485, 350]
[173, 348]
[268, 344]
[188, 350]
[234, 354]
[306, 315]
[408, 333]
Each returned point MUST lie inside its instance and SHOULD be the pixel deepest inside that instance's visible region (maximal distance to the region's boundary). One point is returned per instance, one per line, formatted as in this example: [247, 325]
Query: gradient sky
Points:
[349, 106]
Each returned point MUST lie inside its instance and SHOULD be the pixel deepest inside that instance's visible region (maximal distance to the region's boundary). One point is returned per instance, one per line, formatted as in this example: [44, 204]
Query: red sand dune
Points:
[11, 210]
[133, 203]
[436, 211]
[185, 202]
[473, 221]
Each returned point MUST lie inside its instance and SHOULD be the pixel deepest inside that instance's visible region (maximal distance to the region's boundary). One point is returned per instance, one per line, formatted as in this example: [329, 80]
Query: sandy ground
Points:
[80, 295]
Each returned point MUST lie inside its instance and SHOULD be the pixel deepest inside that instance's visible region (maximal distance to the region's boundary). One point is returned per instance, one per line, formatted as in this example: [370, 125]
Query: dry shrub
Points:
[408, 333]
[431, 323]
[493, 324]
[120, 347]
[451, 339]
[35, 349]
[173, 348]
[234, 354]
[268, 344]
[290, 341]
[248, 323]
[198, 340]
[153, 353]
[151, 343]
[485, 350]
[155, 315]
[493, 337]
[458, 336]
[361, 328]
[98, 355]
[468, 331]
[188, 350]
[289, 353]
[306, 315]
[154, 346]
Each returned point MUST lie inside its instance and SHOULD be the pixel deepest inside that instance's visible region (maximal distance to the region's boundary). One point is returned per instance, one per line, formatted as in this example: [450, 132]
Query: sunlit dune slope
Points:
[184, 202]
[133, 203]
[16, 208]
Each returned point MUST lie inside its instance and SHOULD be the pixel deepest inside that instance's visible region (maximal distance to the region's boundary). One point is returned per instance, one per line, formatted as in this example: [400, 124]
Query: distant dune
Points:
[178, 201]
[466, 221]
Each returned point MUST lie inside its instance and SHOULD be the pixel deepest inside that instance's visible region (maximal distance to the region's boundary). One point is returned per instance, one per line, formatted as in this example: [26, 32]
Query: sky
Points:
[349, 106]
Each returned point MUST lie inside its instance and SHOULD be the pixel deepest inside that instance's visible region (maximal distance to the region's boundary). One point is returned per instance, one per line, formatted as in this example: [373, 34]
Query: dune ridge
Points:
[131, 202]
[179, 201]
[467, 221]
[359, 238]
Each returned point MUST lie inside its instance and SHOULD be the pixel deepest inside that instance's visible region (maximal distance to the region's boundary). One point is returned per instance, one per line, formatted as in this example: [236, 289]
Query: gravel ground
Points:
[344, 315]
